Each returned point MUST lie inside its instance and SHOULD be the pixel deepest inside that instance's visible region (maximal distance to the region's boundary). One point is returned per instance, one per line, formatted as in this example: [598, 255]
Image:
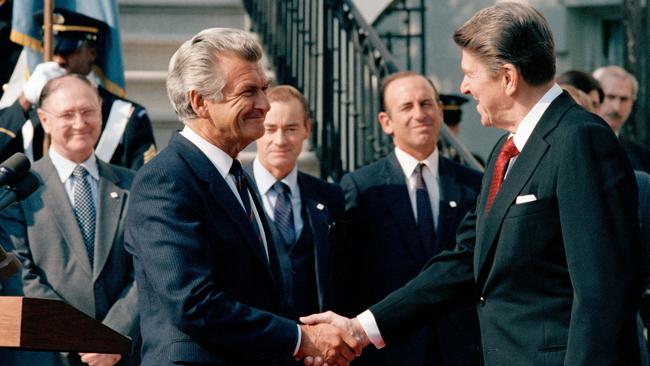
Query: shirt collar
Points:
[218, 157]
[409, 163]
[527, 125]
[64, 167]
[265, 180]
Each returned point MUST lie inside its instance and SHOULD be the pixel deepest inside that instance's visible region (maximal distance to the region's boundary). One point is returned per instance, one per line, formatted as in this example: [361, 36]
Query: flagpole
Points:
[47, 30]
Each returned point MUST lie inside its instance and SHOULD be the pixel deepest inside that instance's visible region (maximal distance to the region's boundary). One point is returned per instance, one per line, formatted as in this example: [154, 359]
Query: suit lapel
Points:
[449, 203]
[518, 175]
[318, 221]
[396, 196]
[225, 197]
[110, 200]
[56, 199]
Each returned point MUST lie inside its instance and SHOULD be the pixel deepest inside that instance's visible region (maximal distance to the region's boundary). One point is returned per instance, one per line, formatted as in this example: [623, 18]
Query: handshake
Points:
[330, 339]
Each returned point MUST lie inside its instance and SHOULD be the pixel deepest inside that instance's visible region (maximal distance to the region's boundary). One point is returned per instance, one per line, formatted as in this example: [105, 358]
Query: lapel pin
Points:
[452, 204]
[320, 206]
[114, 195]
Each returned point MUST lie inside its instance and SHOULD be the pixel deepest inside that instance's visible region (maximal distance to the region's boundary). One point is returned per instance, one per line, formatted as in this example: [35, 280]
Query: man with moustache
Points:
[551, 255]
[621, 89]
[304, 211]
[401, 211]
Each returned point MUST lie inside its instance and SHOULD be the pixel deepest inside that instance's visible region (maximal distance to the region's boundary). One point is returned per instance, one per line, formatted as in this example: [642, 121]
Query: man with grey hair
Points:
[555, 231]
[621, 88]
[205, 263]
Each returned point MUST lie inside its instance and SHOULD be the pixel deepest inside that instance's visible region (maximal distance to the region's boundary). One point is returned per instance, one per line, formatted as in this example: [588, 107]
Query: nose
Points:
[262, 102]
[418, 112]
[464, 86]
[279, 138]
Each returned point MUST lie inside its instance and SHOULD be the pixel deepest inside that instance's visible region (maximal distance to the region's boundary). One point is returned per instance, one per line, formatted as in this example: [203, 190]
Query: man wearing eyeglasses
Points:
[69, 234]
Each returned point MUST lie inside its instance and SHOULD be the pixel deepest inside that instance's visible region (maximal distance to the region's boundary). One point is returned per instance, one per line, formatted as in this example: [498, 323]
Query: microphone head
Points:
[26, 186]
[15, 167]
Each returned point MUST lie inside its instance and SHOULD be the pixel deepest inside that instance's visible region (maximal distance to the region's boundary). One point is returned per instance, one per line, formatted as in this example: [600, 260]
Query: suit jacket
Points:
[324, 204]
[385, 252]
[207, 292]
[135, 148]
[639, 154]
[48, 241]
[557, 280]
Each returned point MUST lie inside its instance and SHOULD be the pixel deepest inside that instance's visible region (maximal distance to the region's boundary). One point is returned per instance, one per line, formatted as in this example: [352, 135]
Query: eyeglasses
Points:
[87, 115]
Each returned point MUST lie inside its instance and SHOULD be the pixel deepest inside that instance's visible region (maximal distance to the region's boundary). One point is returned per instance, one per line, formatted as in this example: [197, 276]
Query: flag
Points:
[109, 66]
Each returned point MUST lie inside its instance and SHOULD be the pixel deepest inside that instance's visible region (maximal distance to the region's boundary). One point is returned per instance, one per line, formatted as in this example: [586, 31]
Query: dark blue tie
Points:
[425, 213]
[84, 210]
[283, 213]
[242, 188]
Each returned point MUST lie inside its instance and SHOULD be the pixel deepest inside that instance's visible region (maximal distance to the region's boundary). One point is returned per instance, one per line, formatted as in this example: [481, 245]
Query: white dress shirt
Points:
[64, 168]
[520, 137]
[265, 181]
[430, 176]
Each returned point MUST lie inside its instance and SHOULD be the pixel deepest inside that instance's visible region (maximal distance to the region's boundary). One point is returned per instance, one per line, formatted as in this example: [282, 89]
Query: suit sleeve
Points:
[14, 229]
[446, 280]
[601, 239]
[167, 234]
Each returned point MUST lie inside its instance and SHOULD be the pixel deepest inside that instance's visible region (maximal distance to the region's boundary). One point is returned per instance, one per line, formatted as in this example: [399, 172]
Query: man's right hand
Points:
[42, 74]
[329, 343]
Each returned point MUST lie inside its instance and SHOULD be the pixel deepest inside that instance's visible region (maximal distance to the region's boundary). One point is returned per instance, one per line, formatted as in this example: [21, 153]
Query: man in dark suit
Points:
[208, 276]
[551, 255]
[621, 89]
[304, 211]
[127, 135]
[69, 233]
[392, 233]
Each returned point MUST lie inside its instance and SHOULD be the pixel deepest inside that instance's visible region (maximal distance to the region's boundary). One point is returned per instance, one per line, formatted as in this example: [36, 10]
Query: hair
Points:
[514, 33]
[582, 81]
[614, 71]
[579, 96]
[56, 83]
[283, 93]
[194, 66]
[400, 75]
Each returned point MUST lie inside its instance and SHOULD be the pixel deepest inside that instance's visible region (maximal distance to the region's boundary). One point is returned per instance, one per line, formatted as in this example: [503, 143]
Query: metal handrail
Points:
[326, 49]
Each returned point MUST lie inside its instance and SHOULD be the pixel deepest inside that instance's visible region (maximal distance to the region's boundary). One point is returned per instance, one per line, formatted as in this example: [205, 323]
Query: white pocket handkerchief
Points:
[525, 198]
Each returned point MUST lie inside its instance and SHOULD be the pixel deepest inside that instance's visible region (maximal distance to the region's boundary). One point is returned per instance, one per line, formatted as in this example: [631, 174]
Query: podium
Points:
[52, 325]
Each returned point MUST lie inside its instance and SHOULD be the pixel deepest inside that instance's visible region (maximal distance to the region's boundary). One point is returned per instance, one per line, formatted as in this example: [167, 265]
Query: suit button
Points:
[481, 301]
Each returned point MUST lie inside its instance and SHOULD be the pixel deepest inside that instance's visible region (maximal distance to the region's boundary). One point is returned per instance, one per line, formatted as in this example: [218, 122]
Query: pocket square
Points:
[525, 198]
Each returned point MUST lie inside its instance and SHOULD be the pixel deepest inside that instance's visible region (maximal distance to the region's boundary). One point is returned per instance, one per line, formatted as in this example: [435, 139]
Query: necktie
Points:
[508, 151]
[425, 213]
[283, 213]
[242, 188]
[84, 210]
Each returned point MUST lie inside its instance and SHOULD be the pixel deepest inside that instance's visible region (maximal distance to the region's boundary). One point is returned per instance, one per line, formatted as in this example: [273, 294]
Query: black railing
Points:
[327, 50]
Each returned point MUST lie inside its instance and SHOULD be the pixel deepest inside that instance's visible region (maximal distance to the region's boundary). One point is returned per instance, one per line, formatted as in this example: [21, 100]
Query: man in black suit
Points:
[620, 89]
[551, 255]
[304, 211]
[206, 267]
[127, 135]
[392, 232]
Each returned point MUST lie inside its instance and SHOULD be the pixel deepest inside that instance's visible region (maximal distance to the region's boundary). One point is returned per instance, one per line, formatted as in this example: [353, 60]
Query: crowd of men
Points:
[203, 261]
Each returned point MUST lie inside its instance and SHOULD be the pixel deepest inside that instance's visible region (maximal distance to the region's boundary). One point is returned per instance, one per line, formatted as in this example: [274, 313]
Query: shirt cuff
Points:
[295, 351]
[369, 325]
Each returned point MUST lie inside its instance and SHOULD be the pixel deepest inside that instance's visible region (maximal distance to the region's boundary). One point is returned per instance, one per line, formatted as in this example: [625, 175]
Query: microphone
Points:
[21, 190]
[13, 169]
[9, 264]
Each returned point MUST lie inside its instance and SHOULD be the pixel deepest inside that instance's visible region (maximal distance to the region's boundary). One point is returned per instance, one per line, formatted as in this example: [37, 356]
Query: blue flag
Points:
[108, 66]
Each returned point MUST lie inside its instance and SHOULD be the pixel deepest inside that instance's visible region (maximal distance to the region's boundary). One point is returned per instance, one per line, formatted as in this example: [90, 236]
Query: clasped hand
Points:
[329, 339]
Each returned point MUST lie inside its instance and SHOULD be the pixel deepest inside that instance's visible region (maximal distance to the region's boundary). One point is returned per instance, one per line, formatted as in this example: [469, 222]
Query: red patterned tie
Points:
[508, 151]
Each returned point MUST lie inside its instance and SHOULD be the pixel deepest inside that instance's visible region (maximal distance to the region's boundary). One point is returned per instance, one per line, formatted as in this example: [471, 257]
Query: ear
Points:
[511, 78]
[199, 104]
[44, 120]
[386, 123]
[307, 128]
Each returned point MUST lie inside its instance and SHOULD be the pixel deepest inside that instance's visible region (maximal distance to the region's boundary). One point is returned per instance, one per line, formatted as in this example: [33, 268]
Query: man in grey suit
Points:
[69, 233]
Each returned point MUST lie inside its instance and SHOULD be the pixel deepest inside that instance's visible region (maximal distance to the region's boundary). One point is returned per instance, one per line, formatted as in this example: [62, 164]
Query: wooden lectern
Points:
[52, 325]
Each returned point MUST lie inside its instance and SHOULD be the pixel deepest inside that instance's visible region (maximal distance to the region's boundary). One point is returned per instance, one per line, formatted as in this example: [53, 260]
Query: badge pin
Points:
[452, 204]
[114, 195]
[320, 206]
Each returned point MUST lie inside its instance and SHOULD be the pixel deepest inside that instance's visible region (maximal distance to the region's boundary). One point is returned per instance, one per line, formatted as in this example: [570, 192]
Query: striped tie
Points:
[242, 188]
[283, 213]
